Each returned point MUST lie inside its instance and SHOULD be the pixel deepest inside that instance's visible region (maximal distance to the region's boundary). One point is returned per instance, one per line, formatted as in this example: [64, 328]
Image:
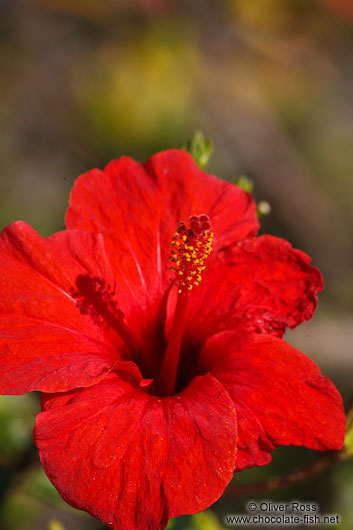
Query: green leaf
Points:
[245, 183]
[200, 148]
[348, 441]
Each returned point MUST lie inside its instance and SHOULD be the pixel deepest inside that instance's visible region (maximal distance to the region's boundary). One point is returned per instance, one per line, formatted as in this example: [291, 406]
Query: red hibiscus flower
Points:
[154, 392]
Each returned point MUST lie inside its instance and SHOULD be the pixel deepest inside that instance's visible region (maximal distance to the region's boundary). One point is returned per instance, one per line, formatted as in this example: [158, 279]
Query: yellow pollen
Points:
[190, 247]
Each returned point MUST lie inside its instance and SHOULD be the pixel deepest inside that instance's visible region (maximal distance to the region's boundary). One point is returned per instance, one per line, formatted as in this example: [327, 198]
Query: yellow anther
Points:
[190, 247]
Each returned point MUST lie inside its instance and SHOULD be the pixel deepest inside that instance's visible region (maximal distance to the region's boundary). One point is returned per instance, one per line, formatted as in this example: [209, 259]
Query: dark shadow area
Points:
[97, 299]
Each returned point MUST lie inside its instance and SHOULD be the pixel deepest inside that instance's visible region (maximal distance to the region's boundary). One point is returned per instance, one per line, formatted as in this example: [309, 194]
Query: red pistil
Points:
[190, 248]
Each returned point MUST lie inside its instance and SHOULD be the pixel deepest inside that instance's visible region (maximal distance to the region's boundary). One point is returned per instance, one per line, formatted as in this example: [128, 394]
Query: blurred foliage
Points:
[131, 96]
[83, 81]
[54, 524]
[343, 493]
[200, 521]
[17, 416]
[348, 441]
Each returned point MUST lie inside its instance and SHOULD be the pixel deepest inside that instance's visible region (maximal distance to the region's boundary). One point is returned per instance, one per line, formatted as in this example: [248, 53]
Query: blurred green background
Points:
[271, 81]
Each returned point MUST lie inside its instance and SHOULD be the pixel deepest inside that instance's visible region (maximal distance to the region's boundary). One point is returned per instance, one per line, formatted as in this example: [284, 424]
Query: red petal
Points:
[260, 285]
[134, 460]
[138, 208]
[186, 190]
[280, 396]
[56, 332]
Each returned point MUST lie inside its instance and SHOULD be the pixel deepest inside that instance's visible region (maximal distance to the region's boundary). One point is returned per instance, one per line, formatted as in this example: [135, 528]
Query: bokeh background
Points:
[270, 81]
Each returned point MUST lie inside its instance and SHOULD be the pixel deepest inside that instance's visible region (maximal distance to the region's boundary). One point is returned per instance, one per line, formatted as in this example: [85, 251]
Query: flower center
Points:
[190, 248]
